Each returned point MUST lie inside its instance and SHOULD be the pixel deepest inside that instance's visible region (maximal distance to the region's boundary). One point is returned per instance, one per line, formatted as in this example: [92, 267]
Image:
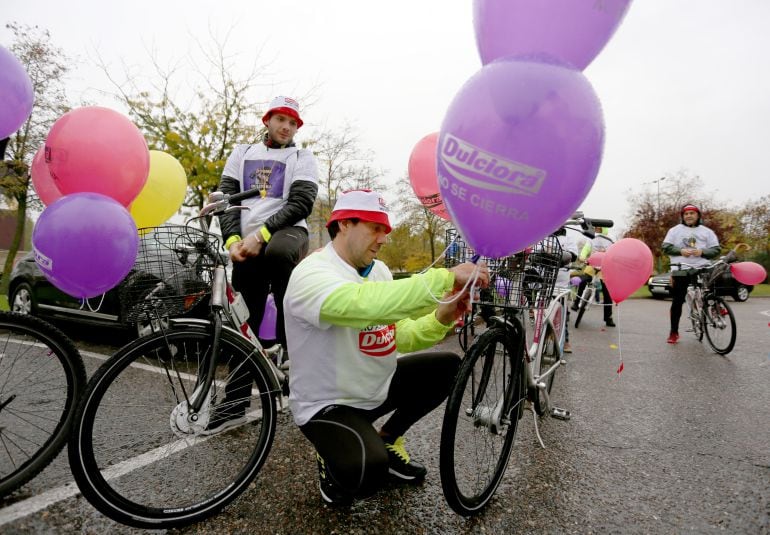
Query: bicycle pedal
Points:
[560, 414]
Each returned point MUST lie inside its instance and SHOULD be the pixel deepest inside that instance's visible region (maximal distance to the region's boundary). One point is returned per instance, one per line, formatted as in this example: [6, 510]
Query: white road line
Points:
[765, 312]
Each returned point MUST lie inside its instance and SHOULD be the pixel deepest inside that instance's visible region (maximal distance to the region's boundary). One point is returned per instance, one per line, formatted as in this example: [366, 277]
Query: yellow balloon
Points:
[162, 194]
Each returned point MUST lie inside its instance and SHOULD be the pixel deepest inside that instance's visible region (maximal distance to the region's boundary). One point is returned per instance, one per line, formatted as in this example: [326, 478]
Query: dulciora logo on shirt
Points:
[378, 340]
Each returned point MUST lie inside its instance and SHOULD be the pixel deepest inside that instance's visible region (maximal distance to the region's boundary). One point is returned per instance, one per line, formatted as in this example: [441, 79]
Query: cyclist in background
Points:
[347, 323]
[600, 243]
[692, 243]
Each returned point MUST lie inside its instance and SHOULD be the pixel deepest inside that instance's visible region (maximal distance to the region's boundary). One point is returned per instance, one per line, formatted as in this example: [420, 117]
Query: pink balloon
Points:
[749, 273]
[42, 181]
[626, 266]
[596, 259]
[519, 150]
[422, 175]
[95, 149]
[573, 31]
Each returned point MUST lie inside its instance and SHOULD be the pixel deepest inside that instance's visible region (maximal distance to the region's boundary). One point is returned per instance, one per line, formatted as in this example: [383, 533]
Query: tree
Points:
[47, 66]
[343, 165]
[196, 119]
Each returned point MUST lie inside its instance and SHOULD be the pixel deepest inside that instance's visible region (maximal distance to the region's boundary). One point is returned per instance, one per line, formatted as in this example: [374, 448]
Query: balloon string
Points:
[620, 345]
[84, 302]
[471, 281]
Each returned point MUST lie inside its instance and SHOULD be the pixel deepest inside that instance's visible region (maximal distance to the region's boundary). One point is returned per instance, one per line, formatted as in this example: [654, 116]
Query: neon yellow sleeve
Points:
[385, 302]
[585, 252]
[420, 333]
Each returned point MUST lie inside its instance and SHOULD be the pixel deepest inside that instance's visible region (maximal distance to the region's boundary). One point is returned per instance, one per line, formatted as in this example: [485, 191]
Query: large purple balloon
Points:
[574, 31]
[85, 243]
[16, 94]
[519, 150]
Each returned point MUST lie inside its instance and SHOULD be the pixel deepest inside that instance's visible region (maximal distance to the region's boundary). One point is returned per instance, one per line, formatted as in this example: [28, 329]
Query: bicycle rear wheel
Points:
[41, 379]
[480, 420]
[719, 324]
[136, 453]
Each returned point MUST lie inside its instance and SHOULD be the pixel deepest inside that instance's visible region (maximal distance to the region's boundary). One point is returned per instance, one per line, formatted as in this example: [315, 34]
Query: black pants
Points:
[606, 297]
[678, 293]
[257, 276]
[354, 453]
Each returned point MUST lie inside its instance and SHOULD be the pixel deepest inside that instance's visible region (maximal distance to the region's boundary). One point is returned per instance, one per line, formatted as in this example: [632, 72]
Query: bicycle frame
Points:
[554, 316]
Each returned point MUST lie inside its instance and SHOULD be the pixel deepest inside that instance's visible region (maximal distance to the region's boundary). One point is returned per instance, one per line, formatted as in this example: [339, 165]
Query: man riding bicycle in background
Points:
[692, 243]
[599, 244]
[347, 323]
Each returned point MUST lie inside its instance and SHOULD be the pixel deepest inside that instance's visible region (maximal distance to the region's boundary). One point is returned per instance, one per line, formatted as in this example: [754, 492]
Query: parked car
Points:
[30, 292]
[660, 286]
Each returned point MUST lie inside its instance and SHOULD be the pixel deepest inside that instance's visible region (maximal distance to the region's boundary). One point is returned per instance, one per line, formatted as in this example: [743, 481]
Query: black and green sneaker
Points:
[331, 493]
[400, 465]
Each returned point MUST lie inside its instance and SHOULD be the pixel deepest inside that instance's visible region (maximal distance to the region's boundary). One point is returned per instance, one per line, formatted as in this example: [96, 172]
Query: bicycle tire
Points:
[719, 324]
[41, 379]
[696, 319]
[584, 300]
[547, 357]
[129, 417]
[474, 455]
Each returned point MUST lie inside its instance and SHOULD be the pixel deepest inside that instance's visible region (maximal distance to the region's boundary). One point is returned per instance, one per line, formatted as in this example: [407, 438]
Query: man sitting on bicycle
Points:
[692, 243]
[599, 244]
[347, 321]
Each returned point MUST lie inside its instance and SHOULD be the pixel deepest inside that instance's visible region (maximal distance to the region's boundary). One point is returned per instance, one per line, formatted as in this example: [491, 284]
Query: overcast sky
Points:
[684, 84]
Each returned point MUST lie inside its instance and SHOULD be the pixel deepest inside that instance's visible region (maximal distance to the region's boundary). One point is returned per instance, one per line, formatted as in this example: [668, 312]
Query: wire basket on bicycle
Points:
[172, 273]
[523, 280]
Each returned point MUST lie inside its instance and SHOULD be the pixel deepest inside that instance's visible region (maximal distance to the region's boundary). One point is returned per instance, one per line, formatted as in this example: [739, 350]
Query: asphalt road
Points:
[679, 441]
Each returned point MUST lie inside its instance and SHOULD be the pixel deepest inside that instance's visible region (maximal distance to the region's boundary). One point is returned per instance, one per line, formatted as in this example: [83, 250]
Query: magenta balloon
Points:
[422, 175]
[42, 181]
[95, 149]
[269, 319]
[749, 273]
[573, 31]
[16, 94]
[575, 281]
[596, 259]
[519, 150]
[626, 266]
[85, 244]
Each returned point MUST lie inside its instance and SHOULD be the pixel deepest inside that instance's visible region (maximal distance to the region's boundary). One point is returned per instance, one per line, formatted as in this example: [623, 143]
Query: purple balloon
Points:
[573, 31]
[575, 281]
[85, 243]
[16, 94]
[267, 327]
[519, 149]
[503, 286]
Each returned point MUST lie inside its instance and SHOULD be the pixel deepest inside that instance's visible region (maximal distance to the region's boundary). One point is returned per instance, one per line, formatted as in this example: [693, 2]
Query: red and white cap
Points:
[363, 204]
[285, 105]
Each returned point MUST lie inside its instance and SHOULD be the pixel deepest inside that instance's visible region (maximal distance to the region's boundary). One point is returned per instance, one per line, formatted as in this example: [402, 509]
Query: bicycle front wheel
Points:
[142, 458]
[585, 299]
[480, 420]
[719, 324]
[41, 379]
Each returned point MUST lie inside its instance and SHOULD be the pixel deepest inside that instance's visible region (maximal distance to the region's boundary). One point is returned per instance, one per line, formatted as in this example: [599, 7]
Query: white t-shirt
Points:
[272, 171]
[568, 244]
[699, 237]
[333, 364]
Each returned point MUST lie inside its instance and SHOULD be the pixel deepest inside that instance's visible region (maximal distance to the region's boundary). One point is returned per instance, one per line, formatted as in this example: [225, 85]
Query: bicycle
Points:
[140, 451]
[593, 287]
[710, 314]
[41, 379]
[505, 370]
